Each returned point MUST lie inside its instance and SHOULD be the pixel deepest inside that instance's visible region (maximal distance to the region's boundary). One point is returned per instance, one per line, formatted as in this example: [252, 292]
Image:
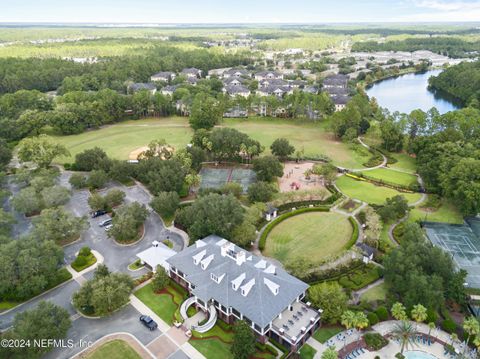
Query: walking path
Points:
[357, 294]
[383, 164]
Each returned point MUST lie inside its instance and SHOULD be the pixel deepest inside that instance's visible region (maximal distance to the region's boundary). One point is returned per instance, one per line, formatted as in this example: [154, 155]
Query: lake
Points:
[408, 92]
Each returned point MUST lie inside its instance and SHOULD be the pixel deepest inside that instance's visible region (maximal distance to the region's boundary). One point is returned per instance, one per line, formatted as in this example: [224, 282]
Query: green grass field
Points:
[370, 193]
[162, 304]
[392, 176]
[307, 352]
[120, 139]
[447, 213]
[115, 349]
[404, 162]
[376, 293]
[309, 236]
[325, 333]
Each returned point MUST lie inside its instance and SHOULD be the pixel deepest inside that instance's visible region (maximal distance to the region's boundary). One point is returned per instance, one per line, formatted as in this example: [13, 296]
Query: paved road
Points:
[126, 320]
[116, 257]
[23, 225]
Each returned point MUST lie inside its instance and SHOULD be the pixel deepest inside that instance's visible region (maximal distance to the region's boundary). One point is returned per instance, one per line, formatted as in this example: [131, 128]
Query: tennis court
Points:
[216, 177]
[462, 241]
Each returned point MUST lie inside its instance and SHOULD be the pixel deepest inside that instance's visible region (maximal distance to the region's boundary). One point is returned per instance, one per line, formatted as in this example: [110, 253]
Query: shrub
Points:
[375, 341]
[97, 179]
[449, 325]
[372, 318]
[382, 313]
[260, 192]
[79, 261]
[432, 316]
[85, 251]
[77, 180]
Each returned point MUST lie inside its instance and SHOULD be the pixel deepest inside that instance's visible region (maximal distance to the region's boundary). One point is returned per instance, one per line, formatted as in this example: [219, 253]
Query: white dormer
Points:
[217, 279]
[241, 258]
[199, 243]
[237, 282]
[226, 247]
[247, 287]
[270, 269]
[221, 242]
[249, 258]
[199, 256]
[274, 287]
[206, 262]
[261, 264]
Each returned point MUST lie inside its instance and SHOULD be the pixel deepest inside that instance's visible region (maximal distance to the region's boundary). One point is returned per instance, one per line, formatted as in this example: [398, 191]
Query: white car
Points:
[108, 227]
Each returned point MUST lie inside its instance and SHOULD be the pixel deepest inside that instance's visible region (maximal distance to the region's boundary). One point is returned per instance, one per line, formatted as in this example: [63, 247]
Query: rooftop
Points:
[236, 278]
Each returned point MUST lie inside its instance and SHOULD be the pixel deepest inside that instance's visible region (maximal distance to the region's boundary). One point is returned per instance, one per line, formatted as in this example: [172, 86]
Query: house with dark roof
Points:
[338, 80]
[230, 283]
[236, 90]
[135, 87]
[340, 102]
[236, 73]
[192, 72]
[169, 90]
[165, 76]
[268, 75]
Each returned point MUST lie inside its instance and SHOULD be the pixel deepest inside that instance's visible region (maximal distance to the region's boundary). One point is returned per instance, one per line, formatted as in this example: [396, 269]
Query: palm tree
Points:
[348, 321]
[471, 327]
[330, 353]
[454, 338]
[398, 311]
[405, 333]
[419, 313]
[431, 326]
[360, 322]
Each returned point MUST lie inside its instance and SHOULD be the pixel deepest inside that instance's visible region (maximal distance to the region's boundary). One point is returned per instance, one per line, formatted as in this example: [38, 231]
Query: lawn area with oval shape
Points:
[313, 236]
[369, 192]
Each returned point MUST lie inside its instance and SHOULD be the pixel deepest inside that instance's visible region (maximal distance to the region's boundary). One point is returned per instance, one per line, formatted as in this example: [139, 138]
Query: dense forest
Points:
[461, 81]
[448, 46]
[49, 74]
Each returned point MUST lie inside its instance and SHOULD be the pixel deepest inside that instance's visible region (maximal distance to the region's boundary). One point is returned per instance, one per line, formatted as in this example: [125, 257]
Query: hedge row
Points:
[307, 203]
[269, 227]
[354, 237]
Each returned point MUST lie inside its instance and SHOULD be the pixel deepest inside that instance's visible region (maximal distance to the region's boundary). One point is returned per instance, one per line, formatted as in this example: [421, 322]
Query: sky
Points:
[238, 11]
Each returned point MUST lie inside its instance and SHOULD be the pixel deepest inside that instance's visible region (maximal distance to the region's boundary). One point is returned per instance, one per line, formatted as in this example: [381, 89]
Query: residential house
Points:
[268, 75]
[135, 87]
[236, 112]
[165, 76]
[339, 81]
[192, 72]
[340, 102]
[237, 90]
[236, 73]
[169, 90]
[230, 283]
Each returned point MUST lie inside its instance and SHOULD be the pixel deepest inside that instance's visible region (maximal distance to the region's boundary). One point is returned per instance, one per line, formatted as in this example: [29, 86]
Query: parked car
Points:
[148, 322]
[108, 227]
[105, 222]
[98, 213]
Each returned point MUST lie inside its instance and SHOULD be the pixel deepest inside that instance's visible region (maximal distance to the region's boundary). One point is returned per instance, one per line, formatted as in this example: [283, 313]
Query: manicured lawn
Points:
[325, 333]
[447, 213]
[404, 162]
[6, 305]
[120, 139]
[376, 293]
[309, 236]
[369, 192]
[162, 304]
[91, 260]
[212, 348]
[307, 352]
[392, 176]
[136, 265]
[116, 349]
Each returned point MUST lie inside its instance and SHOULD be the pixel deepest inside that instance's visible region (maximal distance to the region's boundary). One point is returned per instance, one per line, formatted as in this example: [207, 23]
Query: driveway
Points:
[61, 296]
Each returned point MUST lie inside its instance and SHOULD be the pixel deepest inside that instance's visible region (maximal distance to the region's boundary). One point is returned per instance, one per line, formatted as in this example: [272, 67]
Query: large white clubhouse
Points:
[231, 283]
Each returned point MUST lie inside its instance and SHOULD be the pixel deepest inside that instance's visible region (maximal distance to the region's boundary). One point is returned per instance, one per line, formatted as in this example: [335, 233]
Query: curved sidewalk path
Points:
[383, 164]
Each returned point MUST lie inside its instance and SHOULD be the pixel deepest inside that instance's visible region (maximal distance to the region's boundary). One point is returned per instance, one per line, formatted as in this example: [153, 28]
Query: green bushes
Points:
[269, 227]
[372, 318]
[449, 325]
[265, 348]
[359, 278]
[375, 341]
[354, 237]
[84, 259]
[382, 313]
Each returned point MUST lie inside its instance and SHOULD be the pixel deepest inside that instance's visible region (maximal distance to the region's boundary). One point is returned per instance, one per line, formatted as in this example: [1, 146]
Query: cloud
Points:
[439, 10]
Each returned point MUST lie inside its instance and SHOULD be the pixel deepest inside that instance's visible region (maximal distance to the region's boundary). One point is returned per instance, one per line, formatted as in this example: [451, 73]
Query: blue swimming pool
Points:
[415, 354]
